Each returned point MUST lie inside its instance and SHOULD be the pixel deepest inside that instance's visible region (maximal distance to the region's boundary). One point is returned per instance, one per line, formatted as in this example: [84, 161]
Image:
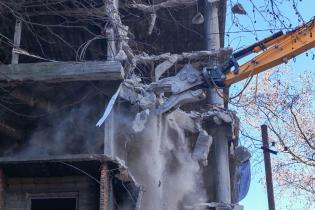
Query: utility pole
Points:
[268, 171]
[221, 148]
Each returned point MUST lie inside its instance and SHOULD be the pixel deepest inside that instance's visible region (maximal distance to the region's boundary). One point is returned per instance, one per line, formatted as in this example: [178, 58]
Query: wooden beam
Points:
[62, 71]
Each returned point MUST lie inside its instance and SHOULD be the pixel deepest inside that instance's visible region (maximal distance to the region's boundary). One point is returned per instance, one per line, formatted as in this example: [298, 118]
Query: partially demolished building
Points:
[157, 145]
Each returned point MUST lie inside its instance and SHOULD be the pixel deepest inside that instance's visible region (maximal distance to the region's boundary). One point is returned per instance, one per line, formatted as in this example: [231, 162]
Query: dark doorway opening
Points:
[54, 204]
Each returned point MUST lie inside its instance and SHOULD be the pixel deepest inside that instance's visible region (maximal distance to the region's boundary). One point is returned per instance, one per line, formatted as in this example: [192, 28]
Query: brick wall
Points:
[18, 190]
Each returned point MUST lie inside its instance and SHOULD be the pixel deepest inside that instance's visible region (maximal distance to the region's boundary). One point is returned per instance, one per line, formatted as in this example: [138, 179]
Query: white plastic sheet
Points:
[109, 108]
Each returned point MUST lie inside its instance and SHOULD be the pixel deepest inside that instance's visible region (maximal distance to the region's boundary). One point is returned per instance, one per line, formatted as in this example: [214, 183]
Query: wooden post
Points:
[104, 187]
[2, 189]
[268, 171]
[17, 41]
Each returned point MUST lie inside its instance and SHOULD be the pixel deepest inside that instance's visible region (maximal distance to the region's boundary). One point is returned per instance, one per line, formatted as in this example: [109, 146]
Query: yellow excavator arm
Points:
[274, 51]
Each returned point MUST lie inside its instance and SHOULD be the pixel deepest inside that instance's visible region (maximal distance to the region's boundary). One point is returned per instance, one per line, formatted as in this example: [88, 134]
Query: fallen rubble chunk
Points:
[140, 121]
[177, 100]
[166, 65]
[241, 155]
[185, 79]
[217, 114]
[238, 9]
[135, 93]
[185, 121]
[202, 147]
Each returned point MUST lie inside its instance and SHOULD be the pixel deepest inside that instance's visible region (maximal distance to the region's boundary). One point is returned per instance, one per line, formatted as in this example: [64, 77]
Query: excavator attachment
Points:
[272, 52]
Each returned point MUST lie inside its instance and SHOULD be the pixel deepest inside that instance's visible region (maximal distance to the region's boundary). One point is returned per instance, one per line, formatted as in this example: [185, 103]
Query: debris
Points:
[121, 56]
[185, 121]
[241, 155]
[135, 93]
[140, 196]
[166, 65]
[217, 206]
[202, 147]
[216, 113]
[163, 5]
[238, 9]
[177, 100]
[153, 17]
[185, 79]
[140, 121]
[198, 19]
[124, 176]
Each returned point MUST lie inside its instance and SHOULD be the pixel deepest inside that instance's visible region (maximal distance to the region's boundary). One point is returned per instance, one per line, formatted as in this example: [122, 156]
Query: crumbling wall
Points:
[159, 158]
[159, 152]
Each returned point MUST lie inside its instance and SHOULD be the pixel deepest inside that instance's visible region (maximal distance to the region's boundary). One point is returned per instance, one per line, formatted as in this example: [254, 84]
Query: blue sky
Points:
[257, 198]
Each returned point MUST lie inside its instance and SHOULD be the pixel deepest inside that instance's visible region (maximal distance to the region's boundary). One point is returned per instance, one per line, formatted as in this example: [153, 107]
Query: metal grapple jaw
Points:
[216, 75]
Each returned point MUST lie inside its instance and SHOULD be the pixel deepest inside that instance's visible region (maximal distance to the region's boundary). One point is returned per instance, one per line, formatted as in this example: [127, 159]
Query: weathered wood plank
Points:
[61, 71]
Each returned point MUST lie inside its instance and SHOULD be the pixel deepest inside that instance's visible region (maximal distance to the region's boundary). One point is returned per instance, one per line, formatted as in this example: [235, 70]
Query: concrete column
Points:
[104, 187]
[2, 189]
[212, 35]
[221, 149]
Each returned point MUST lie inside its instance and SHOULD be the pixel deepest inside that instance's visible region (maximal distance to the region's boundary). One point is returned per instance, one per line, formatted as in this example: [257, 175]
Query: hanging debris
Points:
[238, 9]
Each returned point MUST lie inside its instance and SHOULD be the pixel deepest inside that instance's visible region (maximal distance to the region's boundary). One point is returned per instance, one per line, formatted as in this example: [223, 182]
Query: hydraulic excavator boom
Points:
[273, 51]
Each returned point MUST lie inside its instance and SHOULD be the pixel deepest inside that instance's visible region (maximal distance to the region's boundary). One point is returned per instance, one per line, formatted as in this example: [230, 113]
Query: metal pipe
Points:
[268, 171]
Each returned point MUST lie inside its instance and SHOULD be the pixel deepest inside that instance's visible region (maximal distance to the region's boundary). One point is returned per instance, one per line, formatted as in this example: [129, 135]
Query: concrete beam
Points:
[62, 71]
